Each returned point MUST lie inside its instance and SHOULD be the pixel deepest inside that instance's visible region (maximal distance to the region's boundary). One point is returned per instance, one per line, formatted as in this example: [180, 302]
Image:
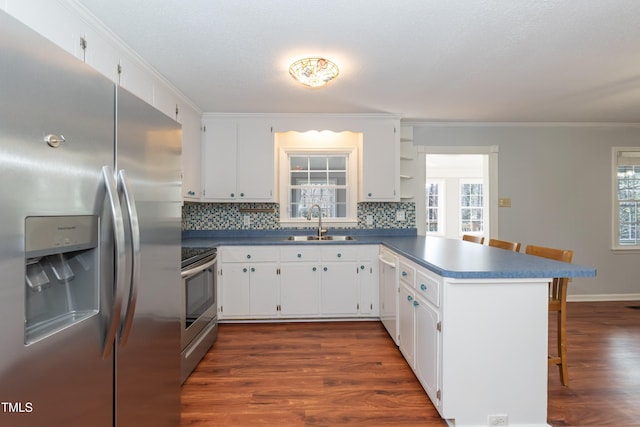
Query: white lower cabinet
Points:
[427, 348]
[298, 281]
[407, 323]
[419, 326]
[299, 289]
[340, 294]
[248, 284]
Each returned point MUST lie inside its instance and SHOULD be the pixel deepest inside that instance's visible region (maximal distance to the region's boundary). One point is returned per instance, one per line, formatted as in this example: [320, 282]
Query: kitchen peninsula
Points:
[470, 320]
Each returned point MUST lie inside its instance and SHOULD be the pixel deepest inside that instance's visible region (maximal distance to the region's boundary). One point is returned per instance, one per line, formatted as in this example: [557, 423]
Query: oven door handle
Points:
[191, 271]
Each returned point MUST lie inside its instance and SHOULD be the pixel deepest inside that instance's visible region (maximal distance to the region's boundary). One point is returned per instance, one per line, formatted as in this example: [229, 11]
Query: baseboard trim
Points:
[603, 297]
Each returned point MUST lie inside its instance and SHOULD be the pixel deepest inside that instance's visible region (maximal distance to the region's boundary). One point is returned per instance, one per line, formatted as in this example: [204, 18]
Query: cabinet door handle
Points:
[339, 255]
[299, 255]
[244, 270]
[232, 195]
[404, 274]
[314, 268]
[253, 269]
[369, 194]
[423, 287]
[325, 269]
[415, 303]
[409, 298]
[248, 256]
[241, 194]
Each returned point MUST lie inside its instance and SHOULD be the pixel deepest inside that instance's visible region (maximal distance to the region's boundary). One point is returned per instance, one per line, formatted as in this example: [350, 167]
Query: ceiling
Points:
[427, 60]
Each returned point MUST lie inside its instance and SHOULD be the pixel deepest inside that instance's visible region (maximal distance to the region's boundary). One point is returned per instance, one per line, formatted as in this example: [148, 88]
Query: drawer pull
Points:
[423, 287]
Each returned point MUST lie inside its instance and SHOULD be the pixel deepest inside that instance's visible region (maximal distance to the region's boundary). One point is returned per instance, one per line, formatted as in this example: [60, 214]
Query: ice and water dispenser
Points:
[62, 273]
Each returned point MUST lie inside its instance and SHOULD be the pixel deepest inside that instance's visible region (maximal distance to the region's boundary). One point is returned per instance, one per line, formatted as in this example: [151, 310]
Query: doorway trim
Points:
[490, 150]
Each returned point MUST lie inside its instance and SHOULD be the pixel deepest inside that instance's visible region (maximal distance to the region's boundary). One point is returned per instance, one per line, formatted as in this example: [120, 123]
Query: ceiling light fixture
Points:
[313, 72]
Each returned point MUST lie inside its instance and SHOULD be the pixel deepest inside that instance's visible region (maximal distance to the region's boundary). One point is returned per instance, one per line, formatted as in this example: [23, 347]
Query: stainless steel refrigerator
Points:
[89, 245]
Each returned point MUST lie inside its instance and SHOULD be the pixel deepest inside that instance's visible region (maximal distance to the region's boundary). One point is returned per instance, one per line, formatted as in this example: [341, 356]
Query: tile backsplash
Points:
[265, 216]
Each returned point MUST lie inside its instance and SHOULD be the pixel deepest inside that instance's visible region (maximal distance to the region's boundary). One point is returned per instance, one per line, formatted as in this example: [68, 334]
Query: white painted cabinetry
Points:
[456, 343]
[420, 326]
[380, 180]
[248, 282]
[298, 281]
[406, 312]
[340, 293]
[238, 160]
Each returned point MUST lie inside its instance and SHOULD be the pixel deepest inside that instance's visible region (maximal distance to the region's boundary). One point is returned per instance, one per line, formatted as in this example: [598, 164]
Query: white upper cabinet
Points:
[255, 175]
[238, 161]
[191, 154]
[219, 160]
[380, 180]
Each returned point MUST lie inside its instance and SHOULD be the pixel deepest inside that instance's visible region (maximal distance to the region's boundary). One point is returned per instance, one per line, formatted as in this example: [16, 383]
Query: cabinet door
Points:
[264, 295]
[367, 281]
[381, 164]
[406, 320]
[299, 289]
[389, 295]
[255, 162]
[428, 355]
[339, 288]
[191, 155]
[235, 290]
[219, 160]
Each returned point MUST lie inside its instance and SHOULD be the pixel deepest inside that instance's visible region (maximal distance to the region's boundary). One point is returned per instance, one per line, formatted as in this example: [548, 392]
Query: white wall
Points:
[559, 180]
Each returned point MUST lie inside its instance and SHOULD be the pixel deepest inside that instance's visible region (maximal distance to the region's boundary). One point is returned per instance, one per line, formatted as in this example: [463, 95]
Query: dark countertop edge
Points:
[374, 237]
[286, 232]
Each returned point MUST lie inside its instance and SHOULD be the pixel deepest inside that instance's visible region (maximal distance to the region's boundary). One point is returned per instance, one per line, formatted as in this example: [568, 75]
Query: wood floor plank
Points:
[351, 373]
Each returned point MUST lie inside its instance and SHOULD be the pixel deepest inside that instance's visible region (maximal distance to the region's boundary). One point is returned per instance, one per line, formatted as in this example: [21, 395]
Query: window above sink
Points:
[318, 168]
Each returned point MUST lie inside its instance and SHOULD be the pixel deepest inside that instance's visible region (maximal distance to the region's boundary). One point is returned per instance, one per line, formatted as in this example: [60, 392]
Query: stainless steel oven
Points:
[199, 306]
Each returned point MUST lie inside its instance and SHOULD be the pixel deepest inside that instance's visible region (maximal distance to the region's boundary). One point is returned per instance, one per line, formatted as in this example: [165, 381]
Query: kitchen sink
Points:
[317, 239]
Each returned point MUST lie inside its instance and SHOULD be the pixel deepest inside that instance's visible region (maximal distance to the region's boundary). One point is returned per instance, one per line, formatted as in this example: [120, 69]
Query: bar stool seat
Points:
[557, 304]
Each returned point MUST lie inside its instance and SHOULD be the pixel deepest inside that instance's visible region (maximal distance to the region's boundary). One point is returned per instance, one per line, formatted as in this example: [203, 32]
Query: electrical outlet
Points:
[498, 420]
[369, 219]
[401, 216]
[247, 220]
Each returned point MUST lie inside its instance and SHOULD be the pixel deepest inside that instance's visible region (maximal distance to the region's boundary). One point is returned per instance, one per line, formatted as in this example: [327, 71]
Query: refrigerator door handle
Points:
[134, 228]
[119, 264]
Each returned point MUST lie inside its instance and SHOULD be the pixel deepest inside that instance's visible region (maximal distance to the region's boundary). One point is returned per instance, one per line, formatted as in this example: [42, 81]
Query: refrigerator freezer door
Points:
[148, 377]
[56, 134]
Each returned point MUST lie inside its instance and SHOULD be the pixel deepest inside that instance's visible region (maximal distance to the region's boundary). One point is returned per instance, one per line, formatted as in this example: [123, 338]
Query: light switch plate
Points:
[504, 202]
[369, 219]
[401, 216]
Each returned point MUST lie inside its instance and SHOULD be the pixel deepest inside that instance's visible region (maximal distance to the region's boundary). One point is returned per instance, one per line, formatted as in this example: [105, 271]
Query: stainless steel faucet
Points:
[321, 231]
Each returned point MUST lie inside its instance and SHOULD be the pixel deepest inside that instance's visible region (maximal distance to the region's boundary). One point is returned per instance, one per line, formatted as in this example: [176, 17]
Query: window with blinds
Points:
[626, 197]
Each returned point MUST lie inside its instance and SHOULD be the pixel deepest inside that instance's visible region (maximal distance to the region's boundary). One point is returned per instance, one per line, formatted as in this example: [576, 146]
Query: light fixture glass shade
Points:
[313, 72]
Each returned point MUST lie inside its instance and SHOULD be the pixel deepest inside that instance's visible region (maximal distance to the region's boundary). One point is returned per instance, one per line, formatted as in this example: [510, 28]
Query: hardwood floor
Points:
[351, 373]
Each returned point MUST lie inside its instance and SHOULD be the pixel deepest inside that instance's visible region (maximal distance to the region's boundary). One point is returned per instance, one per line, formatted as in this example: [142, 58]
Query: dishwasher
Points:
[389, 292]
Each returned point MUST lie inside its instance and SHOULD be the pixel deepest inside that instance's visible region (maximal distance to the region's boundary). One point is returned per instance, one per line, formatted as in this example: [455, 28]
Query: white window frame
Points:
[464, 181]
[442, 226]
[619, 158]
[352, 186]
